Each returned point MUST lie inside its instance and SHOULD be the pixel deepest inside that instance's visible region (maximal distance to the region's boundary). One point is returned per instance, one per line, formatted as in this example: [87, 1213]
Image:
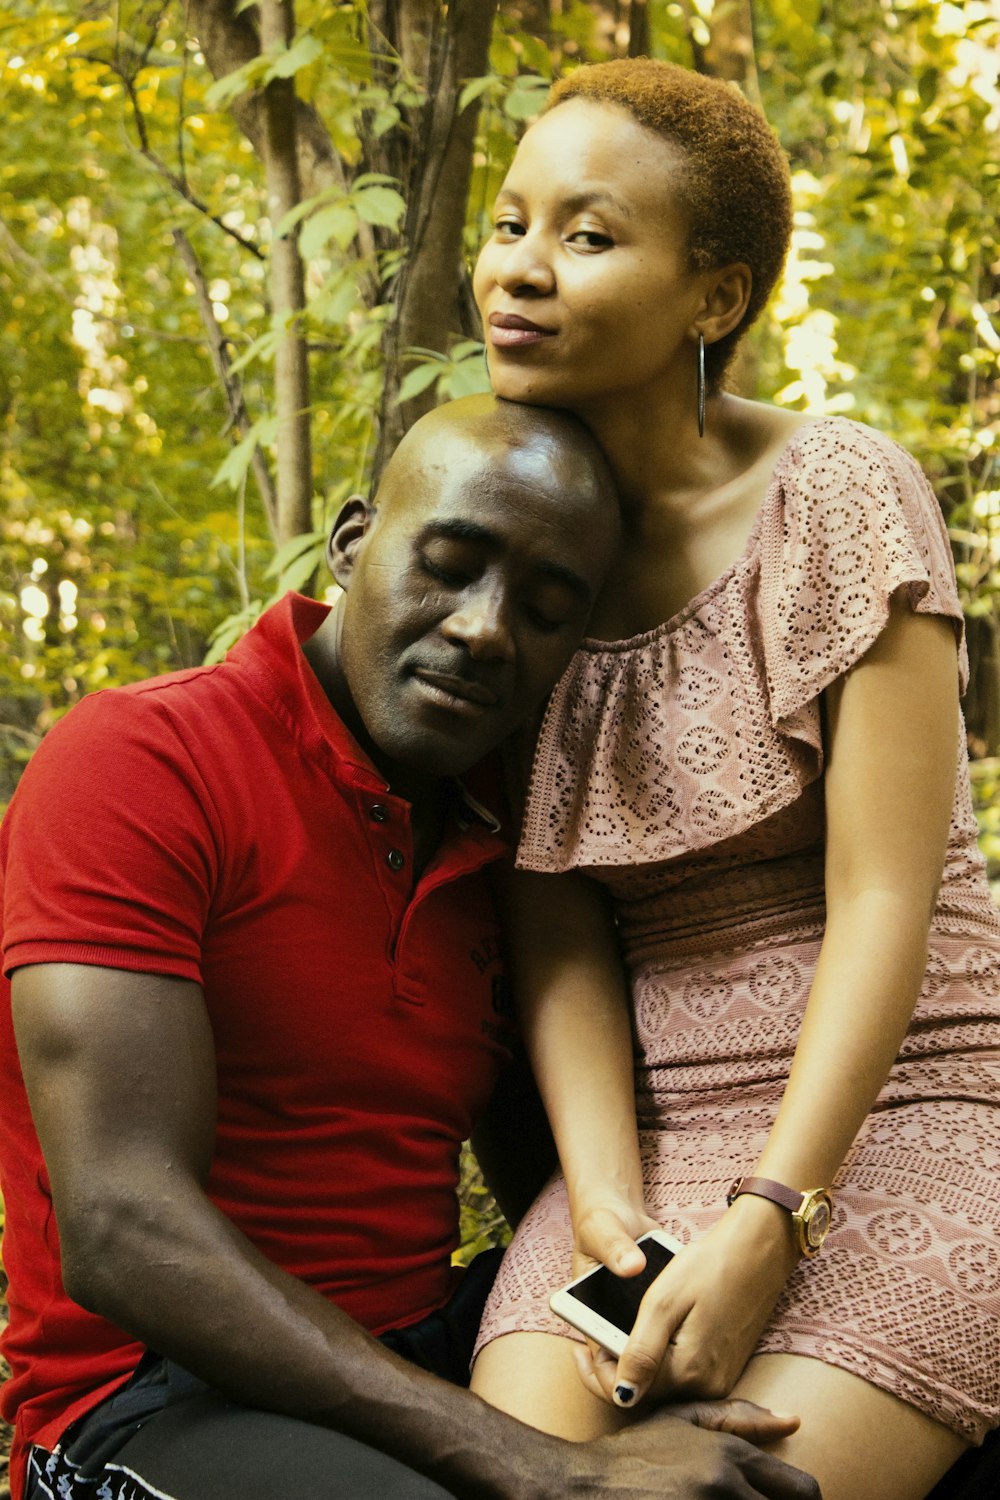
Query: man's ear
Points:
[349, 530]
[725, 302]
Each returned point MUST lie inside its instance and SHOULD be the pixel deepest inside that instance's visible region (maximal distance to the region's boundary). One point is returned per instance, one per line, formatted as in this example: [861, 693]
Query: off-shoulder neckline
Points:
[592, 646]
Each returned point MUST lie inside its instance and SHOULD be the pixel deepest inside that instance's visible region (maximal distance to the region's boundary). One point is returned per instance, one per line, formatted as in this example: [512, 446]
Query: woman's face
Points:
[584, 286]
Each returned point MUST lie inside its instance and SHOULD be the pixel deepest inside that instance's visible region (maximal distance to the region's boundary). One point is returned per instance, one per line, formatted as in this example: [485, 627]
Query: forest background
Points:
[235, 249]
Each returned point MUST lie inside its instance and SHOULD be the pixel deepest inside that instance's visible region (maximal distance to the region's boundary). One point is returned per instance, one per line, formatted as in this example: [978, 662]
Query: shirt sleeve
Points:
[859, 525]
[111, 846]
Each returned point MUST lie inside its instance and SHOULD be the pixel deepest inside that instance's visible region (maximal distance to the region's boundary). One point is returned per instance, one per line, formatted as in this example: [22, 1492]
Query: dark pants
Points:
[166, 1435]
[976, 1476]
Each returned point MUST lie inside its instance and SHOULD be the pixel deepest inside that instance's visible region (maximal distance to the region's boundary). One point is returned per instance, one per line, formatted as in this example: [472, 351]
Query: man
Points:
[258, 1001]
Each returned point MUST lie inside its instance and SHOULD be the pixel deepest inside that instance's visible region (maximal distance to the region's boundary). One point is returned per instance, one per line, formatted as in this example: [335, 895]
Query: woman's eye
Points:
[590, 239]
[508, 228]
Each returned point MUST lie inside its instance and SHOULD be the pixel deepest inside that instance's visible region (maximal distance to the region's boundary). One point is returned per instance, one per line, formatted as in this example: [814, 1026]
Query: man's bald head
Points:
[469, 581]
[501, 440]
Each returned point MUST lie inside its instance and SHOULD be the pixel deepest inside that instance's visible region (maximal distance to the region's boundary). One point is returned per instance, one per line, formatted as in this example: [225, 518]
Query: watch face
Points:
[818, 1222]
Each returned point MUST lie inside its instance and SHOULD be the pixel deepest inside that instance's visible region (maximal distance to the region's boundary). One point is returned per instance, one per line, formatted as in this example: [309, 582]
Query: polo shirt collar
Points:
[263, 655]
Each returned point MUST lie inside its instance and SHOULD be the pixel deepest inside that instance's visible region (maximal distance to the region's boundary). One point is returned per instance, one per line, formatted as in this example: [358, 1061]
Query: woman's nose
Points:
[524, 265]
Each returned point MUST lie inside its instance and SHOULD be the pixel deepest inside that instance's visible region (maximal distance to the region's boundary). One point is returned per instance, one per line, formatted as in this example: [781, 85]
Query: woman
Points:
[752, 778]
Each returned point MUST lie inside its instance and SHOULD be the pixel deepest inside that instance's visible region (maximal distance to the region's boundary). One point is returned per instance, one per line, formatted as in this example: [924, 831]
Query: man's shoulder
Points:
[134, 707]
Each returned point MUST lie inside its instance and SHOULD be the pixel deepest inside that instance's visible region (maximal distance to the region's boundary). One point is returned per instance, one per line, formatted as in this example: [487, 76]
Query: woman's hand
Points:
[700, 1321]
[605, 1234]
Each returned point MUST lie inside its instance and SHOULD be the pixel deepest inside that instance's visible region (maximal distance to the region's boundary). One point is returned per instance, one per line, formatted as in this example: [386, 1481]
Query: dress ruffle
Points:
[733, 682]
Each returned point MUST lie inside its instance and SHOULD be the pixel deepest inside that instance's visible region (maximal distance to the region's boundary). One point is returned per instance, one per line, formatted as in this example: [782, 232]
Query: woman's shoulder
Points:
[846, 447]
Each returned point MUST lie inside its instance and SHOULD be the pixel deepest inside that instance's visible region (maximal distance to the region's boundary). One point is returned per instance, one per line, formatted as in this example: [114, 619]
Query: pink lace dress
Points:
[684, 769]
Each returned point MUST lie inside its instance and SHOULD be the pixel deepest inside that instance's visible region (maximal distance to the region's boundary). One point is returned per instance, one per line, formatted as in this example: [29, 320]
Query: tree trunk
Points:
[638, 29]
[228, 41]
[730, 55]
[431, 155]
[428, 312]
[291, 360]
[730, 51]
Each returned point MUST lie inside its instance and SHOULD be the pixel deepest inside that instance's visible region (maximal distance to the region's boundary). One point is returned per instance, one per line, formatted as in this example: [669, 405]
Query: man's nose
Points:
[482, 624]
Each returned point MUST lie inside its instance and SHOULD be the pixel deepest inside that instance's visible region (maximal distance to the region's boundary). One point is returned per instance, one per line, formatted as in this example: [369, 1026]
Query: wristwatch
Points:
[811, 1211]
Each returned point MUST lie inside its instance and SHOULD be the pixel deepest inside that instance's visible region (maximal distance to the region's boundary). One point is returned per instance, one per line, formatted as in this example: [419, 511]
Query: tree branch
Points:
[231, 384]
[288, 293]
[436, 197]
[178, 183]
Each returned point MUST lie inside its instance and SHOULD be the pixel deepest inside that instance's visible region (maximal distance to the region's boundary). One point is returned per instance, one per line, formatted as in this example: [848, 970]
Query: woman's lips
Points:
[508, 331]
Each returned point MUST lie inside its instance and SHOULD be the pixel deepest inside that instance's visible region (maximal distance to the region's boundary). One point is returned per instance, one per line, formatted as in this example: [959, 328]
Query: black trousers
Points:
[976, 1476]
[166, 1435]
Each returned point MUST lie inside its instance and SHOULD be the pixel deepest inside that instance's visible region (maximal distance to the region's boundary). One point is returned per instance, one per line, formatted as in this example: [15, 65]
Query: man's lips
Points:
[455, 692]
[510, 331]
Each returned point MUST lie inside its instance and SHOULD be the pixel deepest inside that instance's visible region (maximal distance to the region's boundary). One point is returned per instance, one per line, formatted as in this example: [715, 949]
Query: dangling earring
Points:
[701, 385]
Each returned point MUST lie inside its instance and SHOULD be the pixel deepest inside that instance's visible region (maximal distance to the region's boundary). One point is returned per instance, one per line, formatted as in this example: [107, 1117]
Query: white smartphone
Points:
[604, 1306]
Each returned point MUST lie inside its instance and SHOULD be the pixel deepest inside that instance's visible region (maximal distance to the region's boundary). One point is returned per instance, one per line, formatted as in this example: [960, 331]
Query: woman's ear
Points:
[349, 530]
[726, 298]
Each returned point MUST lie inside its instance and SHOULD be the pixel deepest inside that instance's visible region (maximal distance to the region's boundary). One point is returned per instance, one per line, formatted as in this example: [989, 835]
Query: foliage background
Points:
[160, 479]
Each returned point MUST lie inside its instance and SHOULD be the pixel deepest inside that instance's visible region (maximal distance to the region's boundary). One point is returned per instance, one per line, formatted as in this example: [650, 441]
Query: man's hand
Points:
[664, 1458]
[120, 1072]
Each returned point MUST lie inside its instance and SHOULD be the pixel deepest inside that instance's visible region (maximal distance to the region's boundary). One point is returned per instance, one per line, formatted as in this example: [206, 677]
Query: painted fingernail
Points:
[624, 1394]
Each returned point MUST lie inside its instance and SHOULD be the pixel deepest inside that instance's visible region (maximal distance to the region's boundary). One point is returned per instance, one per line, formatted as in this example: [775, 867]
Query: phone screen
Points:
[617, 1298]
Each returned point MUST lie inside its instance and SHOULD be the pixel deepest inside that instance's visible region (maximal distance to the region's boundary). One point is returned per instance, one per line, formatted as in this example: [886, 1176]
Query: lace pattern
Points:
[683, 768]
[731, 683]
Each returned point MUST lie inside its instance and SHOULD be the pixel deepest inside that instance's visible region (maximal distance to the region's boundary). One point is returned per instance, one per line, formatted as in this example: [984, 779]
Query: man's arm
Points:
[120, 1075]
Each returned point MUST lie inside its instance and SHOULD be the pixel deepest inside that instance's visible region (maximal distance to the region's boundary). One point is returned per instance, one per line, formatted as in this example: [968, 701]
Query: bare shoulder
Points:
[757, 432]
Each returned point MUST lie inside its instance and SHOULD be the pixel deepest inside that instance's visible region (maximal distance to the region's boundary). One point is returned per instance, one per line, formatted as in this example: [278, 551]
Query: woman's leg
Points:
[533, 1376]
[858, 1441]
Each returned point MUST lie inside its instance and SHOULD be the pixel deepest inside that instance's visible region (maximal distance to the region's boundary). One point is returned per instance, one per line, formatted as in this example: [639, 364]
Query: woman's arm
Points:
[891, 752]
[574, 1012]
[892, 749]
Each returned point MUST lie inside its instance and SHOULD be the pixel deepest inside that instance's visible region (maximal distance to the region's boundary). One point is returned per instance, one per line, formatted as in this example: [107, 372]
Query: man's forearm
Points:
[181, 1278]
[185, 1281]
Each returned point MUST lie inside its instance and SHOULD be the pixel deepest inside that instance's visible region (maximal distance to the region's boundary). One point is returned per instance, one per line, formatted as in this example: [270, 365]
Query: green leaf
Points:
[233, 468]
[380, 205]
[525, 98]
[470, 378]
[384, 119]
[306, 206]
[415, 381]
[291, 60]
[230, 630]
[369, 179]
[298, 573]
[296, 547]
[476, 87]
[335, 303]
[224, 90]
[535, 54]
[927, 86]
[261, 348]
[340, 223]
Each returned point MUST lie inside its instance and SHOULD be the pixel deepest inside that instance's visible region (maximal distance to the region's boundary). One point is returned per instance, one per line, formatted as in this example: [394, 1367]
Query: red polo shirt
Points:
[221, 825]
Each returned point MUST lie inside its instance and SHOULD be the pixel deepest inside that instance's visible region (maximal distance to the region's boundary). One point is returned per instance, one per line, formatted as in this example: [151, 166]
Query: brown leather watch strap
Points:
[764, 1187]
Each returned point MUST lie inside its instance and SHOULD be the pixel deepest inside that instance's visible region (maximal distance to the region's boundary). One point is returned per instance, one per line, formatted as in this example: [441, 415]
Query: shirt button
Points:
[378, 813]
[395, 859]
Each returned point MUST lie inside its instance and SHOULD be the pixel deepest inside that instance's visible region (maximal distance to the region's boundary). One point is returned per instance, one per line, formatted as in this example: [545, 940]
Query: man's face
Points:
[468, 590]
